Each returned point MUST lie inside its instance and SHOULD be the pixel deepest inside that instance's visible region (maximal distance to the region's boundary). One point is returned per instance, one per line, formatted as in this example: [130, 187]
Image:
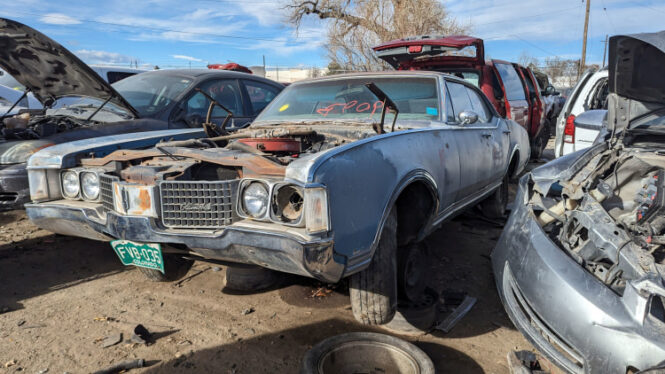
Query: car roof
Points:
[389, 73]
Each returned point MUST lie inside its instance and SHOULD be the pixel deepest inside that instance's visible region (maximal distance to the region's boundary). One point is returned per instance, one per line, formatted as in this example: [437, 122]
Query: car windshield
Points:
[83, 107]
[150, 93]
[350, 100]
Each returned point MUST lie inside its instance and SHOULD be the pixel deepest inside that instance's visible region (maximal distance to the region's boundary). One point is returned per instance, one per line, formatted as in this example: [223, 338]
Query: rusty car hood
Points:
[48, 69]
[401, 52]
[636, 82]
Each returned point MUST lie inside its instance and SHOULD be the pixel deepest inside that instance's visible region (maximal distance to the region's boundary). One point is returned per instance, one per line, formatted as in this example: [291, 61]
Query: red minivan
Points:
[505, 84]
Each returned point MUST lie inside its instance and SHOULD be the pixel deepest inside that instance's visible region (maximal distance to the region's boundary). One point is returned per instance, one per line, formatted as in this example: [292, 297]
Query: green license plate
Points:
[145, 255]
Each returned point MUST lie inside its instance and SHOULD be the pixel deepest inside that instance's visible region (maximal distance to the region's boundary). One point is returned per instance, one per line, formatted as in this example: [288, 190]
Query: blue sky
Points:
[172, 33]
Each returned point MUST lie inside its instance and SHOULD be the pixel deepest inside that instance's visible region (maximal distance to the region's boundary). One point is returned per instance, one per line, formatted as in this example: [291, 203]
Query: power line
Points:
[164, 29]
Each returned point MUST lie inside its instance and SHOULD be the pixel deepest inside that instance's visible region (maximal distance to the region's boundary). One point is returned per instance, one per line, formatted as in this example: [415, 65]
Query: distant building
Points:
[286, 74]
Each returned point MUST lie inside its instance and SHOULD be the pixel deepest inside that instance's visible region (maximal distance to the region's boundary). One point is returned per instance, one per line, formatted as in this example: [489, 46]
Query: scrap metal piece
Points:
[447, 324]
[111, 340]
[121, 367]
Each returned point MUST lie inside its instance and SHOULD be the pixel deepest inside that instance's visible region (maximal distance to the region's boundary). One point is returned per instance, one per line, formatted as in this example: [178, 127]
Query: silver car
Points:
[337, 177]
[580, 264]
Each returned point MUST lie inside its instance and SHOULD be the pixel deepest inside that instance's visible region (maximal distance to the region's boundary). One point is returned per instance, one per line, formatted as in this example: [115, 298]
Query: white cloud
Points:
[188, 58]
[59, 19]
[103, 57]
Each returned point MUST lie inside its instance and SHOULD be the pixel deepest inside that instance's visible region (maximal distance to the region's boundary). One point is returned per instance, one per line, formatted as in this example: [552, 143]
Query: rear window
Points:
[511, 81]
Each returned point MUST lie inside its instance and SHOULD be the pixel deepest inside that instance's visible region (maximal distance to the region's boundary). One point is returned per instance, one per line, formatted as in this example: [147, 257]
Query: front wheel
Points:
[374, 290]
[175, 267]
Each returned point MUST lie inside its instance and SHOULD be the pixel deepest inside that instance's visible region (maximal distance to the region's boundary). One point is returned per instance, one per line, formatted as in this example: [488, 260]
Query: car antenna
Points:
[25, 93]
[387, 104]
[209, 127]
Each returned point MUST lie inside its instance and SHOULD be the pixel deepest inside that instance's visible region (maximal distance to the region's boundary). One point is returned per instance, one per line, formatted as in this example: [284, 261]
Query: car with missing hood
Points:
[338, 177]
[79, 104]
[580, 264]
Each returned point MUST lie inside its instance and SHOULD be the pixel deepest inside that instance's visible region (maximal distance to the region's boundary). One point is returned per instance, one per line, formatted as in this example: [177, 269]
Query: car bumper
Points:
[14, 188]
[569, 315]
[249, 243]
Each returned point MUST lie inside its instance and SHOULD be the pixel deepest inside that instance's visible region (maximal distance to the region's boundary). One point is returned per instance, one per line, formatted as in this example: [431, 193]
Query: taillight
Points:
[569, 130]
[415, 48]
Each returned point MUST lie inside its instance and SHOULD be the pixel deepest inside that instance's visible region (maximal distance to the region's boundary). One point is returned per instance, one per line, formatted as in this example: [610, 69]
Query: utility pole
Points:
[264, 66]
[586, 29]
[605, 50]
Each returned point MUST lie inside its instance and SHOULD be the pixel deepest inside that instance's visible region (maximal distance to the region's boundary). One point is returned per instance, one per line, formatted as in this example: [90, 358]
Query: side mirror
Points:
[550, 90]
[468, 118]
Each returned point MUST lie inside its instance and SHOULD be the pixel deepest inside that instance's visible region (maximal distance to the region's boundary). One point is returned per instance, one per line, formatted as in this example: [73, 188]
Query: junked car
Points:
[589, 94]
[79, 104]
[505, 84]
[580, 264]
[338, 177]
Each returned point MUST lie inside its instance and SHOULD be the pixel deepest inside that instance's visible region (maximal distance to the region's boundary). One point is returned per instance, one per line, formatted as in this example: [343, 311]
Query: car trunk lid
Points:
[48, 69]
[459, 50]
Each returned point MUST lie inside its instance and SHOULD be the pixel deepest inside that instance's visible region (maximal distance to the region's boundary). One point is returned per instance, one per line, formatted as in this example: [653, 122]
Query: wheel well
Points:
[512, 167]
[415, 205]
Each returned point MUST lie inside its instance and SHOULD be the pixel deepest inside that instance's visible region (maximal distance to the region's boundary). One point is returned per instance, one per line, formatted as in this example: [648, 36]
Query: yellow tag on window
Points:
[284, 107]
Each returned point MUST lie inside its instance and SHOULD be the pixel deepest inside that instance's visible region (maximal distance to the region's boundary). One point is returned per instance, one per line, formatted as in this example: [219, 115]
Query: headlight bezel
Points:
[318, 194]
[65, 195]
[240, 205]
[279, 217]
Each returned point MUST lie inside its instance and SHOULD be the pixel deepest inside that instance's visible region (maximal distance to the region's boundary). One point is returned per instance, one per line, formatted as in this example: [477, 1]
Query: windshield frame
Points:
[366, 78]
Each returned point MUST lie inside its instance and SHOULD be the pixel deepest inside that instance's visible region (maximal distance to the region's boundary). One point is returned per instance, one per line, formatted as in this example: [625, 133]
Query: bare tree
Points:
[562, 72]
[354, 27]
[528, 60]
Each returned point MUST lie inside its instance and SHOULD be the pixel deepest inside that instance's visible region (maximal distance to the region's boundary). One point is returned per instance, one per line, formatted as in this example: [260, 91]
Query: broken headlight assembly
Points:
[284, 203]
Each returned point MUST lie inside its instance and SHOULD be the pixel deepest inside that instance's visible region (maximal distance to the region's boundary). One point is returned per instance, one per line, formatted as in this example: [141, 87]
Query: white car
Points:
[590, 93]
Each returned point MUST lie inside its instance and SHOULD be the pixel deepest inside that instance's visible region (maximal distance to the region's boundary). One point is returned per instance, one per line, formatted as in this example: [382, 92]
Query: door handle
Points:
[506, 132]
[487, 135]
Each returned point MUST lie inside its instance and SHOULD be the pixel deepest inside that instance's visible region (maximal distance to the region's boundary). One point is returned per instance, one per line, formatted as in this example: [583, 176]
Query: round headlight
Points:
[70, 184]
[90, 185]
[255, 199]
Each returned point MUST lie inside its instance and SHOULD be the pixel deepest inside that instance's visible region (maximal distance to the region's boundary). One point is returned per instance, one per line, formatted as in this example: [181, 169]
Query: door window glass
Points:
[511, 82]
[484, 115]
[260, 95]
[460, 98]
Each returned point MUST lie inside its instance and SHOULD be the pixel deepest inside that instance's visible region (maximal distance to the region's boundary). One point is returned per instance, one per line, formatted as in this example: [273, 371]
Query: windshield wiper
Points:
[209, 127]
[387, 104]
[25, 93]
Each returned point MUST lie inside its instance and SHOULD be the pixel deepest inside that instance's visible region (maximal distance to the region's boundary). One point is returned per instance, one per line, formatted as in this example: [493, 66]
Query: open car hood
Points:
[636, 79]
[401, 53]
[48, 69]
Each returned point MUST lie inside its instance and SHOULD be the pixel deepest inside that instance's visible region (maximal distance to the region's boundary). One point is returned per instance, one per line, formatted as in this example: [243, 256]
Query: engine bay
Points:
[31, 125]
[609, 216]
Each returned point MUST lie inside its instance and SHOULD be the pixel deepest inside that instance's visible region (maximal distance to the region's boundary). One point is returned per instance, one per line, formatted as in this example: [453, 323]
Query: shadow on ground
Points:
[34, 267]
[275, 353]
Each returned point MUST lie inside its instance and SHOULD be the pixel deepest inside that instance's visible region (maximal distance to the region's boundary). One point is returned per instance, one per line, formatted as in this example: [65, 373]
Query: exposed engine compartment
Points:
[231, 156]
[30, 125]
[609, 216]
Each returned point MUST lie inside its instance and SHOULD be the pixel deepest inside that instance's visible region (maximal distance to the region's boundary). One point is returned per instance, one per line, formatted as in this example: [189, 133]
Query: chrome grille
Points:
[106, 191]
[198, 204]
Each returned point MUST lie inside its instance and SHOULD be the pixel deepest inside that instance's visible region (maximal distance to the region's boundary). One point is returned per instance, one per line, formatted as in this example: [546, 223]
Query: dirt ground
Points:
[60, 296]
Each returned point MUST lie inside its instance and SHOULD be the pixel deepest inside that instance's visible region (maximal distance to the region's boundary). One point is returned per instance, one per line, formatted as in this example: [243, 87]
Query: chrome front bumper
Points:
[261, 245]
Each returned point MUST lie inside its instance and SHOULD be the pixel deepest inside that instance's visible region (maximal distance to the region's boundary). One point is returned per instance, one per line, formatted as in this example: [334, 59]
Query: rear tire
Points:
[249, 278]
[373, 291]
[495, 205]
[175, 267]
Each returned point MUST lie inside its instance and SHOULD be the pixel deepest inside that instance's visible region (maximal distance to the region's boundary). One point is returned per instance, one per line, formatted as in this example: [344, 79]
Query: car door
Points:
[226, 92]
[517, 106]
[498, 139]
[259, 95]
[473, 140]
